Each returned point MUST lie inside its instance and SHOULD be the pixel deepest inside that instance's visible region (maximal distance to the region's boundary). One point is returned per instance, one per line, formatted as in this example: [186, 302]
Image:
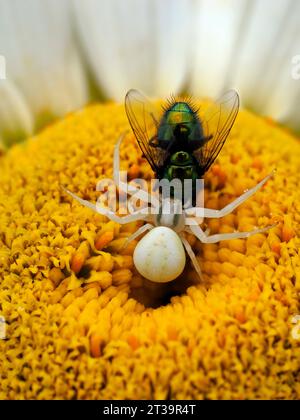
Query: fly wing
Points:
[144, 120]
[217, 121]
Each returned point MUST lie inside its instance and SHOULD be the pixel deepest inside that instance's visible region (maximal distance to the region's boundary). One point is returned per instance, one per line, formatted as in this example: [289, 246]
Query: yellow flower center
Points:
[81, 321]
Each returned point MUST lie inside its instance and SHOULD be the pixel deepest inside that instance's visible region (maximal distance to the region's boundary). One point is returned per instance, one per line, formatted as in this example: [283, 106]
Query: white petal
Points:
[218, 24]
[282, 92]
[36, 39]
[249, 46]
[260, 51]
[173, 33]
[2, 67]
[16, 120]
[136, 43]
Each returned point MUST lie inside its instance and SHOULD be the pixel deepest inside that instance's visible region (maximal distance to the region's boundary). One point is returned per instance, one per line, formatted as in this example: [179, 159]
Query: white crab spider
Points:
[160, 255]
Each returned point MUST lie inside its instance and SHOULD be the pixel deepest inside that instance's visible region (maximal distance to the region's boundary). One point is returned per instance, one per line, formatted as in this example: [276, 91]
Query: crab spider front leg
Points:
[216, 214]
[139, 232]
[198, 232]
[116, 168]
[139, 194]
[139, 215]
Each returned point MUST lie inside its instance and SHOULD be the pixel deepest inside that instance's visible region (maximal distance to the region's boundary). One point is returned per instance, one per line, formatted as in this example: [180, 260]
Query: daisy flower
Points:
[77, 320]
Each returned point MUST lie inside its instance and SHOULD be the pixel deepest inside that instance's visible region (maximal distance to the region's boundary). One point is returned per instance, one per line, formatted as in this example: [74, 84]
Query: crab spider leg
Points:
[116, 168]
[198, 232]
[108, 213]
[139, 193]
[209, 213]
[192, 256]
[139, 232]
[207, 232]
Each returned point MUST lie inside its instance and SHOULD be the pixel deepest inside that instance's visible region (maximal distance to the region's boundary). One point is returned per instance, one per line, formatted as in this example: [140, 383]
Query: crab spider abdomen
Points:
[160, 255]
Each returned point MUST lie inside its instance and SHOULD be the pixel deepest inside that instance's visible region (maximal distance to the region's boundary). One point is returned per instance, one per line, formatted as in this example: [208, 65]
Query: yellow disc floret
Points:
[82, 323]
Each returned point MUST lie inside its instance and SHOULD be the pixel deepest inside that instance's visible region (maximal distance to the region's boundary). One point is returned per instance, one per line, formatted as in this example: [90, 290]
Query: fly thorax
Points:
[181, 132]
[171, 214]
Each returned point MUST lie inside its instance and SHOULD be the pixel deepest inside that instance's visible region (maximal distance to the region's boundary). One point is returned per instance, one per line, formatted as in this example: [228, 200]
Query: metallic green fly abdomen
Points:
[180, 172]
[182, 165]
[181, 159]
